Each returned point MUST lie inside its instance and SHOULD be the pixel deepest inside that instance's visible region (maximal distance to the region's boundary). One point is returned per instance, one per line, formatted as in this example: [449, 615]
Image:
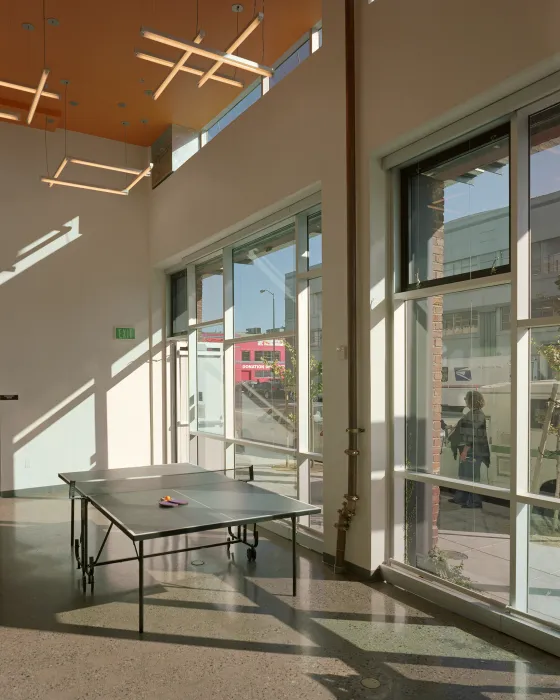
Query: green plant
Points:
[454, 573]
[287, 374]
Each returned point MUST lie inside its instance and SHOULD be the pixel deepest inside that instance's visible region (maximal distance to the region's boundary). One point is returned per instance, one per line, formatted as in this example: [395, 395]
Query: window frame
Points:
[296, 215]
[179, 274]
[514, 111]
[315, 38]
[465, 146]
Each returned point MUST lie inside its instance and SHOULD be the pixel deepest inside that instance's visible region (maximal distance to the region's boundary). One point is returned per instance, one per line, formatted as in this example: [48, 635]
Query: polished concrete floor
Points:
[230, 628]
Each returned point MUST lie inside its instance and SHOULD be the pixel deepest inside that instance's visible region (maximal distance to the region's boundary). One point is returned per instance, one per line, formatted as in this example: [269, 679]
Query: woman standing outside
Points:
[470, 441]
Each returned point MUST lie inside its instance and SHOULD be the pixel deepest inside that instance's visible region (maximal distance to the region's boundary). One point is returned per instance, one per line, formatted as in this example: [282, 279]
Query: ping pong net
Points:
[160, 479]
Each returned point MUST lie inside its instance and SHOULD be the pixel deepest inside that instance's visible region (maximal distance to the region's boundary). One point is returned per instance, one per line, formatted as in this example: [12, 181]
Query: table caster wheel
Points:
[251, 554]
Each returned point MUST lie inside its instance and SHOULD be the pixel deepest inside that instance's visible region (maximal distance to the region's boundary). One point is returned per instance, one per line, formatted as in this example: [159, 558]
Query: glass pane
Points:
[273, 471]
[265, 390]
[210, 453]
[234, 112]
[264, 284]
[316, 365]
[544, 563]
[179, 315]
[458, 213]
[315, 240]
[316, 493]
[182, 401]
[210, 379]
[545, 412]
[465, 546]
[458, 386]
[290, 63]
[544, 211]
[209, 290]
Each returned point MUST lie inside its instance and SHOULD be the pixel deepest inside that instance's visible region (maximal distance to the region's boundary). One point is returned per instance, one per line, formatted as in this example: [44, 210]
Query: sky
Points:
[490, 191]
[251, 308]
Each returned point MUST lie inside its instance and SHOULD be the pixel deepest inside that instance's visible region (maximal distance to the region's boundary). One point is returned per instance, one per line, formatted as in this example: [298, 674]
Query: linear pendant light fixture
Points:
[78, 185]
[229, 59]
[240, 39]
[220, 58]
[144, 173]
[37, 93]
[116, 168]
[10, 116]
[177, 67]
[92, 164]
[24, 88]
[40, 87]
[188, 69]
[59, 169]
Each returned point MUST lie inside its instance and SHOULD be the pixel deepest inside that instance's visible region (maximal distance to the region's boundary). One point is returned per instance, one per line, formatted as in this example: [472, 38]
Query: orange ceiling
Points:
[93, 47]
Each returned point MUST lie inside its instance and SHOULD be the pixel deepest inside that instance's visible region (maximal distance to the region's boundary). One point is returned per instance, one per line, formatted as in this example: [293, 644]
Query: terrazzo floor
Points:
[230, 628]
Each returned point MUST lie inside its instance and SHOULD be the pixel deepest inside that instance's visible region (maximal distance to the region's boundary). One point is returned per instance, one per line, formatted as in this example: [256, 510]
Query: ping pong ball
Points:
[168, 498]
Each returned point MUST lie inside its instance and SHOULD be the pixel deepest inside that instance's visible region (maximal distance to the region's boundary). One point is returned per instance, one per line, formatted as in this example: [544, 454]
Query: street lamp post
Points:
[267, 291]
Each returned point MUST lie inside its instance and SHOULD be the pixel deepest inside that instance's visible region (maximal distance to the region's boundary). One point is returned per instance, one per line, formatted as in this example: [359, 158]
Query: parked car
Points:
[271, 389]
[248, 387]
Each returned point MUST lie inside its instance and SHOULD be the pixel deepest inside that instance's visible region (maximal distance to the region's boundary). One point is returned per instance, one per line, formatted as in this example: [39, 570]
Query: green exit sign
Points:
[125, 333]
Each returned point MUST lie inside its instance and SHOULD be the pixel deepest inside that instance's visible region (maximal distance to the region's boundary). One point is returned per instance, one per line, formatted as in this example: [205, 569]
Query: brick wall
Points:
[198, 298]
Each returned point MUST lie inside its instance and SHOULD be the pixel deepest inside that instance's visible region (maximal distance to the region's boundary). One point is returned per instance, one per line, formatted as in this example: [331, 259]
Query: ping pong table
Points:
[129, 499]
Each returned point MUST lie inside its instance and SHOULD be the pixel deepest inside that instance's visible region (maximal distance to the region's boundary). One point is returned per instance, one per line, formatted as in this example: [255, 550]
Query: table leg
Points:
[141, 587]
[294, 558]
[72, 511]
[84, 543]
[80, 544]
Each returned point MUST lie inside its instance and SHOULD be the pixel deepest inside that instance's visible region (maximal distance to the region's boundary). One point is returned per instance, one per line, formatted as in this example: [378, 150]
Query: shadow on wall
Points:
[76, 434]
[40, 249]
[83, 396]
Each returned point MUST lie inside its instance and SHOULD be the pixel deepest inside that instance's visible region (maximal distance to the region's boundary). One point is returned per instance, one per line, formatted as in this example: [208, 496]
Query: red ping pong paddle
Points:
[172, 502]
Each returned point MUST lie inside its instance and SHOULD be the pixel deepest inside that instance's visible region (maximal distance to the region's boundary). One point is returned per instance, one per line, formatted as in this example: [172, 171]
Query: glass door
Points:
[179, 404]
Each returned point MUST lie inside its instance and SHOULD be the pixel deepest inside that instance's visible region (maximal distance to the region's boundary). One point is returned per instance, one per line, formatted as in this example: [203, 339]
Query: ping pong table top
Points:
[129, 497]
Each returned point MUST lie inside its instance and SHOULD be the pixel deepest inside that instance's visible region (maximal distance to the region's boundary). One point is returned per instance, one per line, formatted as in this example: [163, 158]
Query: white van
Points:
[497, 409]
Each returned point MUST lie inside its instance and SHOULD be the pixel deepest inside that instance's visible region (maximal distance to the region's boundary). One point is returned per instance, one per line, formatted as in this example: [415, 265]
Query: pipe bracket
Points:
[355, 431]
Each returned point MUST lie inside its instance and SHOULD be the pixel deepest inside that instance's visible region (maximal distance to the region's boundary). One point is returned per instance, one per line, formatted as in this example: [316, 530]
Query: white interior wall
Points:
[81, 268]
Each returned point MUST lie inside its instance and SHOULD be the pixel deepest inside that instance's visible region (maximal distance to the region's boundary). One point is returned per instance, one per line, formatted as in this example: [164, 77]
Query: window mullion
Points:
[520, 359]
[229, 353]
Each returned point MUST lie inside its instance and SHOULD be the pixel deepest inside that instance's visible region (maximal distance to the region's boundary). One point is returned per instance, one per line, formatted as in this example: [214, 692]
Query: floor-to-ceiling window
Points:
[476, 381]
[248, 318]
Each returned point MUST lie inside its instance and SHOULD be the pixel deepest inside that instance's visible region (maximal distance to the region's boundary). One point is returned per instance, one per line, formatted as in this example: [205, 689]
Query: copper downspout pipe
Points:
[348, 510]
